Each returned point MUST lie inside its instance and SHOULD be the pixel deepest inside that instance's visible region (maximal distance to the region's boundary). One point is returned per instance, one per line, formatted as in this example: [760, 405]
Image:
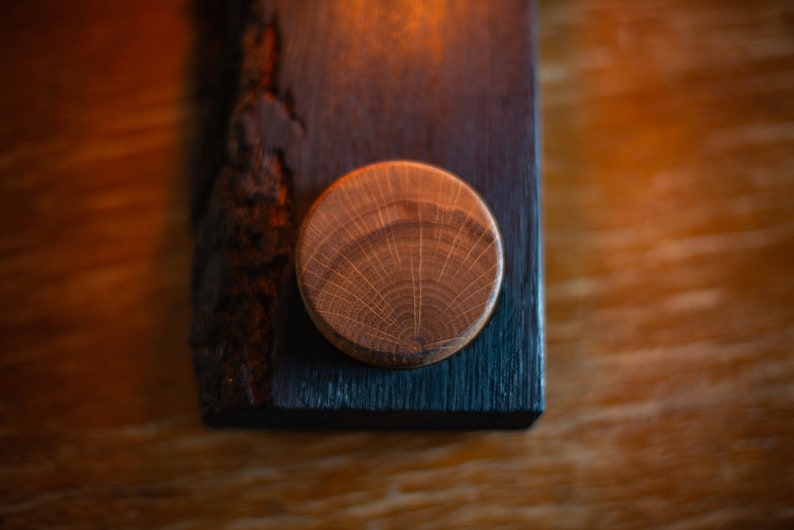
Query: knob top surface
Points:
[399, 264]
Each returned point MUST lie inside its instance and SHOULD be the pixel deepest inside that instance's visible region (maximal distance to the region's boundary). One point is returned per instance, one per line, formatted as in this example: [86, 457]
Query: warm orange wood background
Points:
[669, 208]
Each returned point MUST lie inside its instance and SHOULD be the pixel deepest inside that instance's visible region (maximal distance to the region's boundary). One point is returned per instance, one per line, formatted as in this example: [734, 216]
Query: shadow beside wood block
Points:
[321, 89]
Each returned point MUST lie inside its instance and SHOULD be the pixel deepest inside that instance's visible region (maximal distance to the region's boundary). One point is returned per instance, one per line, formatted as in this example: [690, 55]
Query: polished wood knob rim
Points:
[399, 264]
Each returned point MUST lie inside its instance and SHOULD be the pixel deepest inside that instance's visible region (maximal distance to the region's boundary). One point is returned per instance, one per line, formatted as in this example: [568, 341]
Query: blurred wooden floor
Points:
[669, 208]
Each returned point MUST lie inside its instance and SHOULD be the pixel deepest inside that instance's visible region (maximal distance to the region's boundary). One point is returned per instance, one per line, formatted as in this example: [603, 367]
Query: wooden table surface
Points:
[669, 225]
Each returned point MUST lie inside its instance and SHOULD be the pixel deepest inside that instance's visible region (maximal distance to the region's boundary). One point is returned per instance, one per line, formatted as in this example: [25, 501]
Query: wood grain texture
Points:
[670, 300]
[399, 264]
[435, 91]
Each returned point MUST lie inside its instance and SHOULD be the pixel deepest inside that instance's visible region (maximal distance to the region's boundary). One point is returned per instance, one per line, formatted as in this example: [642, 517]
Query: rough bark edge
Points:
[244, 234]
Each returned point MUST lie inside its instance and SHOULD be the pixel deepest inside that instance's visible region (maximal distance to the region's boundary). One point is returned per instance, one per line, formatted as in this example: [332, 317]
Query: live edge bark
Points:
[244, 239]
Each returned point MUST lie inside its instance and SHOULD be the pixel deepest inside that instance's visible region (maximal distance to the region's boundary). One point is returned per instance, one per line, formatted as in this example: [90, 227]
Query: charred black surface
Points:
[321, 89]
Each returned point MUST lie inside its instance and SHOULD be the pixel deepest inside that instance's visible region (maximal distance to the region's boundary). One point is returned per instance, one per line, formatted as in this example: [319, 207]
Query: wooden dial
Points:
[399, 264]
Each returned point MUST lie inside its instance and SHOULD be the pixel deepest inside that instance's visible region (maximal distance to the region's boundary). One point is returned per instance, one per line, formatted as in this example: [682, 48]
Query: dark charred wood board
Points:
[293, 95]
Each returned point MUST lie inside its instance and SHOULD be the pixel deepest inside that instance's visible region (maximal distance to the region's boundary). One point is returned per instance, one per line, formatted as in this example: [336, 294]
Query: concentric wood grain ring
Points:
[399, 264]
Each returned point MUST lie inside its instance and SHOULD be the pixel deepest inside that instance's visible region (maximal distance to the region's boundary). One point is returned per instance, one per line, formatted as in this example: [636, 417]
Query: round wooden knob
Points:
[399, 264]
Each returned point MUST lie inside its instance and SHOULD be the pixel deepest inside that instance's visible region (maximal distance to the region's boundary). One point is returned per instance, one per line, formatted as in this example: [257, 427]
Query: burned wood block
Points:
[319, 90]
